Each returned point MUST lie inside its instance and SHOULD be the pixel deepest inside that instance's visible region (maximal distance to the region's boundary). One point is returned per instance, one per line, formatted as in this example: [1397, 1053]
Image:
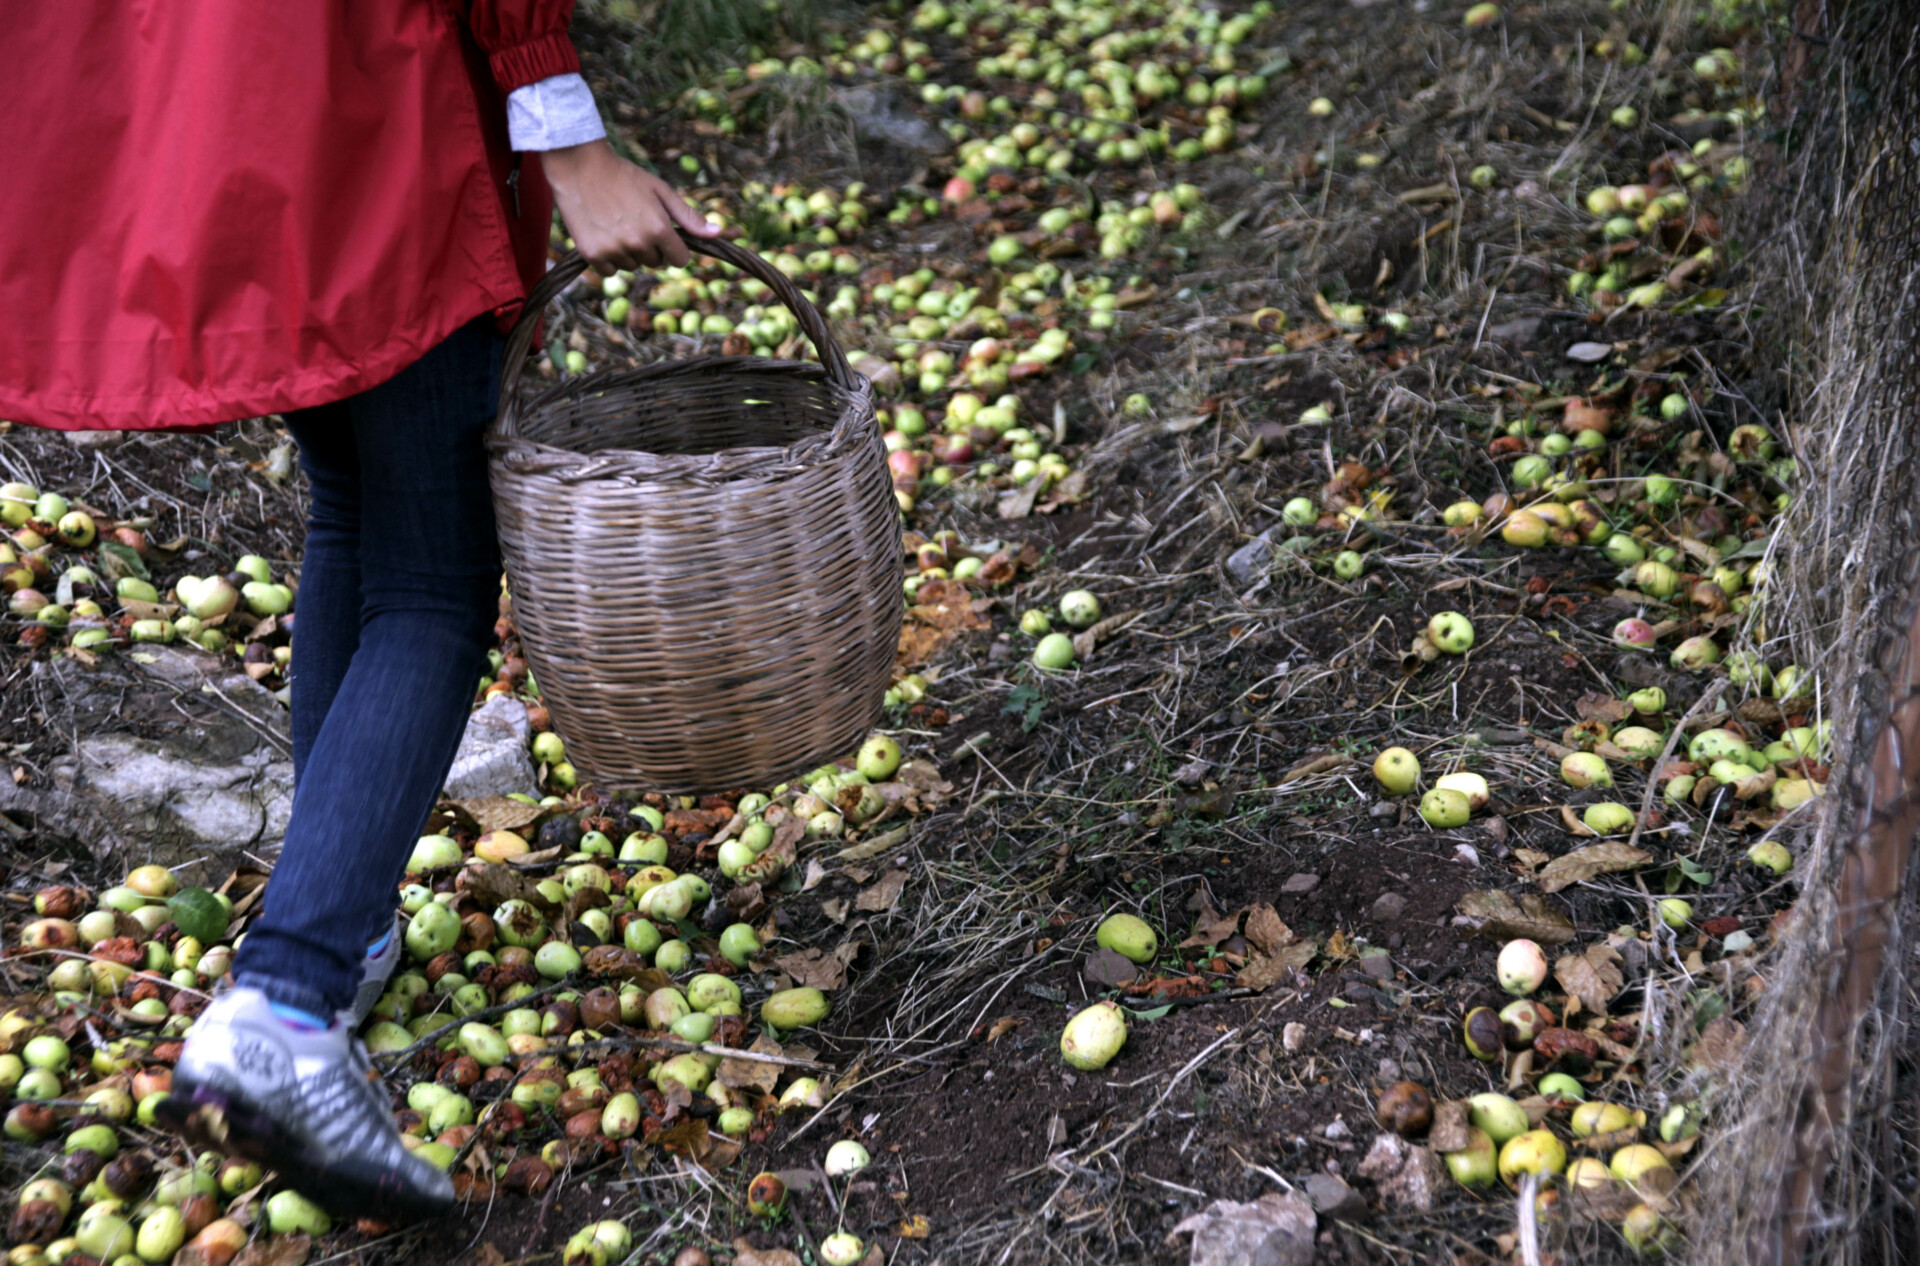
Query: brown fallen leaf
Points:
[492, 885]
[1089, 639]
[873, 847]
[499, 813]
[745, 1254]
[1720, 1044]
[1212, 927]
[1599, 707]
[743, 1074]
[280, 1250]
[1264, 930]
[1585, 863]
[1500, 916]
[1318, 765]
[1593, 977]
[1575, 827]
[818, 968]
[1263, 971]
[1003, 1026]
[884, 893]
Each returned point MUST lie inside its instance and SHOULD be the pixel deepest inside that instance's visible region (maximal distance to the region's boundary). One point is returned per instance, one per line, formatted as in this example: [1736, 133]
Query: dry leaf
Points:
[1599, 707]
[281, 1250]
[1451, 1129]
[744, 1073]
[492, 885]
[1584, 863]
[1594, 977]
[873, 847]
[1264, 930]
[1263, 971]
[745, 1254]
[1003, 1026]
[1211, 927]
[1499, 916]
[499, 813]
[1720, 1044]
[1575, 827]
[816, 967]
[884, 893]
[1318, 765]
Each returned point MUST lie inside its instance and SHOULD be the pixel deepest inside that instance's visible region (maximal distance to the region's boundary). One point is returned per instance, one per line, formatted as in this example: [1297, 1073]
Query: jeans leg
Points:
[429, 581]
[326, 631]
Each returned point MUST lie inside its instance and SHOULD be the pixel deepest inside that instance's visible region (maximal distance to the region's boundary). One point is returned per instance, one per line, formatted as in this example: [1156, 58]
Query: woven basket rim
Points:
[846, 433]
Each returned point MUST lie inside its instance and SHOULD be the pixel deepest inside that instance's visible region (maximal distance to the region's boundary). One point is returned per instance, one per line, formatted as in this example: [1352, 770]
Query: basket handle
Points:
[562, 275]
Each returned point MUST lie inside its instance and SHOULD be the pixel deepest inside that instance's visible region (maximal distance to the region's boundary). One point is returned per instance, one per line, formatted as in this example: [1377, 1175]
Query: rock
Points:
[219, 782]
[1521, 330]
[1336, 1129]
[1250, 562]
[1293, 1036]
[1409, 1177]
[1332, 1198]
[1109, 969]
[1275, 1230]
[1299, 885]
[1387, 908]
[493, 759]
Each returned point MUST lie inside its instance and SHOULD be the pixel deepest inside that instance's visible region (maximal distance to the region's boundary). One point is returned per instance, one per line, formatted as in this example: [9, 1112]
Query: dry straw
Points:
[704, 555]
[1811, 1155]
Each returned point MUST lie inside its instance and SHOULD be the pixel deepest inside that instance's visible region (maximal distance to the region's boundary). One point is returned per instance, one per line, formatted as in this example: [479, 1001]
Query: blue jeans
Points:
[399, 590]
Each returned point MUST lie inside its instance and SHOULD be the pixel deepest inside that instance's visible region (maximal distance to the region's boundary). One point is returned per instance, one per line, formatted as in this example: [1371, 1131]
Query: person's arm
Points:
[619, 215]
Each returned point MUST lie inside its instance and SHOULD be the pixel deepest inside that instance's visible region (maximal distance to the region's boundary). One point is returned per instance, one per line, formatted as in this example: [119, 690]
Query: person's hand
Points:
[619, 216]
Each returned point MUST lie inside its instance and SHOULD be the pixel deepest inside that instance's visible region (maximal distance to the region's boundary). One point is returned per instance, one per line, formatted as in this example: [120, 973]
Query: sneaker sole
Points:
[216, 1121]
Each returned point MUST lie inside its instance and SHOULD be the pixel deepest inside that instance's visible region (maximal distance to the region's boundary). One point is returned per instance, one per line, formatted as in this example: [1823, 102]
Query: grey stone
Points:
[1332, 1198]
[1520, 330]
[1409, 1177]
[493, 759]
[1387, 908]
[1300, 884]
[1250, 562]
[1275, 1230]
[216, 783]
[1293, 1036]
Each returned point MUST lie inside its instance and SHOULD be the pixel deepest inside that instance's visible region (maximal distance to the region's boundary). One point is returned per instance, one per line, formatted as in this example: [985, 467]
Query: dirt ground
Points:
[1212, 755]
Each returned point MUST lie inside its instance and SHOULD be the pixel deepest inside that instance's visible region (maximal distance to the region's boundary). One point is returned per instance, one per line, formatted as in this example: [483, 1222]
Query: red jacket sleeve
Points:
[525, 40]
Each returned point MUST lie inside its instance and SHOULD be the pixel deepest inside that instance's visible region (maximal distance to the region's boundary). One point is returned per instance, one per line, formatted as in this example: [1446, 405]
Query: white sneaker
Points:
[304, 1102]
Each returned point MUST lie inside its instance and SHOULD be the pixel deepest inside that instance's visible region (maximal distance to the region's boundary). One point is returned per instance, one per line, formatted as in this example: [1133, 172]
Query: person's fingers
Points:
[687, 218]
[672, 249]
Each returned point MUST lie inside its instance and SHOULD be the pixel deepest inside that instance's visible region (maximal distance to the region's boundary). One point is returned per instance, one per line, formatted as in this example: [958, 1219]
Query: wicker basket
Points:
[704, 555]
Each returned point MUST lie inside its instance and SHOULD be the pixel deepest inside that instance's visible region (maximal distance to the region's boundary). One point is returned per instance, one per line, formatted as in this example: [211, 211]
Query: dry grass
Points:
[1816, 1144]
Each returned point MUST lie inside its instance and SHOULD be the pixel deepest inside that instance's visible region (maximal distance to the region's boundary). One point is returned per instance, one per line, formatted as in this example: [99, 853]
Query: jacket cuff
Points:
[533, 61]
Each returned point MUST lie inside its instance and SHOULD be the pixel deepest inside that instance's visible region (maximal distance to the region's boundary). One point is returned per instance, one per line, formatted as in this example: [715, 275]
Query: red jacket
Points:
[216, 209]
